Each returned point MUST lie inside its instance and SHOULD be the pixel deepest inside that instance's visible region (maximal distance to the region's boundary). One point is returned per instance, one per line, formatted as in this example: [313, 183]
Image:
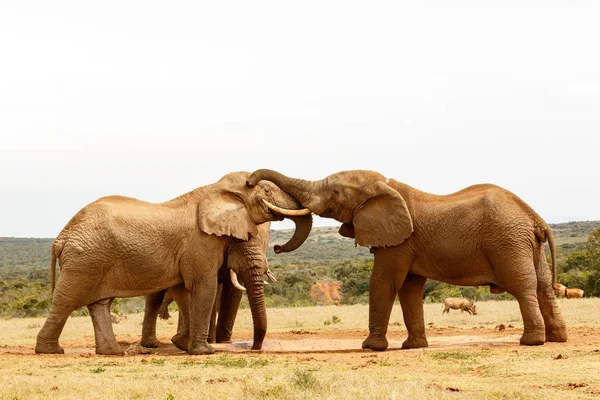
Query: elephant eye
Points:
[336, 192]
[267, 190]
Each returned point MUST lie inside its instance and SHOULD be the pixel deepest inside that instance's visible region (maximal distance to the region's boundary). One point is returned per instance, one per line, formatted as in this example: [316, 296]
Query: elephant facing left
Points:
[123, 247]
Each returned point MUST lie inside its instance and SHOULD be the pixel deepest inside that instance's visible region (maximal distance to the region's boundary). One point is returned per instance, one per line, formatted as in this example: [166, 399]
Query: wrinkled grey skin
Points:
[480, 235]
[249, 258]
[123, 247]
[459, 303]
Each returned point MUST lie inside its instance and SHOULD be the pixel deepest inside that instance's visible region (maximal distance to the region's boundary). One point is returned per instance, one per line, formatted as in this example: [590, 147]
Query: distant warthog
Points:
[562, 291]
[461, 304]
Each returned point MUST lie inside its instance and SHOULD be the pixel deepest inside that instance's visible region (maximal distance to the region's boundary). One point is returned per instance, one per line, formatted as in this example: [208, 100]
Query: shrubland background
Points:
[25, 279]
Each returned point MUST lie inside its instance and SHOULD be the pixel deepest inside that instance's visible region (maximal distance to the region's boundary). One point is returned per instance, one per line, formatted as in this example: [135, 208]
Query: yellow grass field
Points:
[314, 353]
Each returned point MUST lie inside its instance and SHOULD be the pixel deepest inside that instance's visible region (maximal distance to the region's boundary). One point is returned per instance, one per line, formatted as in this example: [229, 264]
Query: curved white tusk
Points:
[271, 276]
[265, 282]
[285, 211]
[235, 281]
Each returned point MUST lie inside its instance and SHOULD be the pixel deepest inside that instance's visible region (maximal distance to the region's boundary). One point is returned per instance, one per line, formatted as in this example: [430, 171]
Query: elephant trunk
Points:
[299, 188]
[303, 228]
[256, 298]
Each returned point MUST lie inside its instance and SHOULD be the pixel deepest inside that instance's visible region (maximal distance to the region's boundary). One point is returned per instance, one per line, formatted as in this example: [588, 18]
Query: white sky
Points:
[152, 99]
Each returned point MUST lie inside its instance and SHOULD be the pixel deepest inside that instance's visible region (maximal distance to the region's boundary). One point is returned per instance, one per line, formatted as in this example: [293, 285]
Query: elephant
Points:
[461, 304]
[122, 247]
[480, 235]
[249, 258]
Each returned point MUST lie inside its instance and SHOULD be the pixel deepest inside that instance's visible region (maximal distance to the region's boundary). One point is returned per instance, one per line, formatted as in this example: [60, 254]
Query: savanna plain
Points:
[314, 353]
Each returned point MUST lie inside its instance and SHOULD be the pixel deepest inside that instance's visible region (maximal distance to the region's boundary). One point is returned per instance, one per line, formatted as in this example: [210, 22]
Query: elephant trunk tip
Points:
[277, 249]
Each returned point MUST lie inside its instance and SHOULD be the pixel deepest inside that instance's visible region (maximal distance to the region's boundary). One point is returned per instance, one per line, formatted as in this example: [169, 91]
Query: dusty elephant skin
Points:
[249, 258]
[122, 247]
[481, 235]
[461, 304]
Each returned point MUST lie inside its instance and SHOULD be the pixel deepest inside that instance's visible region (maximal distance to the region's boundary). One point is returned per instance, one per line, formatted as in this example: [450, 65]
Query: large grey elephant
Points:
[122, 247]
[481, 235]
[249, 259]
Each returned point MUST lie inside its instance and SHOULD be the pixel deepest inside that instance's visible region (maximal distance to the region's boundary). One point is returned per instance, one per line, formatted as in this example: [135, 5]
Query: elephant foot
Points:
[43, 347]
[110, 350]
[227, 340]
[150, 342]
[377, 343]
[200, 348]
[181, 342]
[556, 334]
[415, 343]
[533, 338]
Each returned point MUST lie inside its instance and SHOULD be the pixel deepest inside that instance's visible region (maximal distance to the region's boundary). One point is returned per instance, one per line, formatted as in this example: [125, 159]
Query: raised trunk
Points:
[303, 227]
[299, 188]
[256, 298]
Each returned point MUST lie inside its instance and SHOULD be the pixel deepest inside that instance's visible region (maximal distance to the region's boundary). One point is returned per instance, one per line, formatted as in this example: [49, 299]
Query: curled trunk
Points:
[303, 227]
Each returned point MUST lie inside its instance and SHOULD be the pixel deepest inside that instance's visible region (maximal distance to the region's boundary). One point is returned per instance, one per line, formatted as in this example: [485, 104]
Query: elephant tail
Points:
[550, 237]
[54, 254]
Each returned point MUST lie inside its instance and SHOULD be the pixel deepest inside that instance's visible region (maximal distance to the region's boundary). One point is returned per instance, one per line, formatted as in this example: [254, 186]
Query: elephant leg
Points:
[153, 302]
[230, 303]
[522, 284]
[182, 338]
[68, 295]
[106, 343]
[213, 315]
[202, 298]
[556, 329]
[411, 300]
[389, 270]
[47, 338]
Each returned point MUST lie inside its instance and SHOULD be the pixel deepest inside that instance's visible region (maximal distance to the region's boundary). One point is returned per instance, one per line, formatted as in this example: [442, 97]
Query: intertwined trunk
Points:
[299, 188]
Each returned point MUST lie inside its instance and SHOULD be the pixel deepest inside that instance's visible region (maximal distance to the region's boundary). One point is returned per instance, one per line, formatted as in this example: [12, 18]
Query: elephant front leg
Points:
[411, 300]
[201, 304]
[388, 274]
[212, 331]
[106, 343]
[153, 302]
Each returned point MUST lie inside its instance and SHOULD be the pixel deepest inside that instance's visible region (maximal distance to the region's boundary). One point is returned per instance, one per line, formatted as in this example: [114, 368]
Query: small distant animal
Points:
[115, 318]
[563, 291]
[461, 304]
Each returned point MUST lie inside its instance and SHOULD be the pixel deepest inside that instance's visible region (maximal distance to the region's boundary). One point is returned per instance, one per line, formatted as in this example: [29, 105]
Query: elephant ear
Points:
[225, 215]
[384, 220]
[347, 230]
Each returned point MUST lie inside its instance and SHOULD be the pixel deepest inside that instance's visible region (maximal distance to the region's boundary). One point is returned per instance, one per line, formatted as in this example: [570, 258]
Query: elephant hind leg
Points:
[47, 338]
[556, 329]
[520, 280]
[106, 343]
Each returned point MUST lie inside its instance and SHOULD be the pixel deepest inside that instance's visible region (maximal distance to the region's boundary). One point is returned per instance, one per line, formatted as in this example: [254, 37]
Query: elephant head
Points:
[243, 212]
[370, 210]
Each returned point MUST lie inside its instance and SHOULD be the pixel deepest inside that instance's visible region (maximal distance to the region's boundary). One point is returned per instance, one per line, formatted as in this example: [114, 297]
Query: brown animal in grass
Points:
[563, 291]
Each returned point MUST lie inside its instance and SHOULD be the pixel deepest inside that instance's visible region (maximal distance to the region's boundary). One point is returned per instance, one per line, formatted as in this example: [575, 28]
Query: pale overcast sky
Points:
[152, 99]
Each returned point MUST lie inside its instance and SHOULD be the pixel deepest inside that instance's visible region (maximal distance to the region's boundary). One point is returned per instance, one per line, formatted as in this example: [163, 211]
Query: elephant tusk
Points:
[286, 212]
[271, 276]
[235, 281]
[265, 282]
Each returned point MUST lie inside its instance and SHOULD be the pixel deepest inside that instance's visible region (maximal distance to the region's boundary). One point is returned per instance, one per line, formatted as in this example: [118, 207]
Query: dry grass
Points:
[494, 372]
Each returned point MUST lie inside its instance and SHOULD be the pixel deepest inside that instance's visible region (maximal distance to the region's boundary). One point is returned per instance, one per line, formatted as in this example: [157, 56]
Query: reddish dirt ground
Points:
[317, 345]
